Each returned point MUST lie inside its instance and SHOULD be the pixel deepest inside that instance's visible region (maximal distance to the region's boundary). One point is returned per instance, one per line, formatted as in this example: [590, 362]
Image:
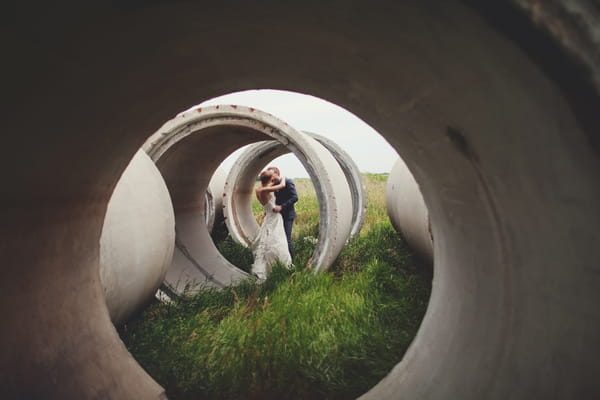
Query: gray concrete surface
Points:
[575, 24]
[496, 120]
[407, 210]
[137, 241]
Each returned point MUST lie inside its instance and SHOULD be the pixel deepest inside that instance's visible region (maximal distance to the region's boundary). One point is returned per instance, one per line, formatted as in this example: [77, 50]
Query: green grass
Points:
[236, 253]
[298, 335]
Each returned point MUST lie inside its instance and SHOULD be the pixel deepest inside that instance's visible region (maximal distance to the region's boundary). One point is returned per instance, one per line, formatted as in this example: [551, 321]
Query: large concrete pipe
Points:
[330, 185]
[138, 238]
[187, 150]
[407, 210]
[237, 207]
[496, 120]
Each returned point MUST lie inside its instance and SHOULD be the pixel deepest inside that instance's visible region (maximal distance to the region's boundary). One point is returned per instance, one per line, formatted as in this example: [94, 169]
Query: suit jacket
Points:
[286, 198]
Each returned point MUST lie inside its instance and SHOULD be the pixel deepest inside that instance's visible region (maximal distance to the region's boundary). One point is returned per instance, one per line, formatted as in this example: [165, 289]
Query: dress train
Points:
[270, 243]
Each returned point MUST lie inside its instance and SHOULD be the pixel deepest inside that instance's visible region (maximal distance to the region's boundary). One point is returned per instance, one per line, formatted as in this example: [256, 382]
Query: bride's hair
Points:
[274, 169]
[265, 176]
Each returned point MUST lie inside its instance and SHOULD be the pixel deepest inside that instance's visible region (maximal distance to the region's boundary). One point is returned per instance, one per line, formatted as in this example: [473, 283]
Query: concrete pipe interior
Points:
[495, 119]
[188, 149]
[345, 189]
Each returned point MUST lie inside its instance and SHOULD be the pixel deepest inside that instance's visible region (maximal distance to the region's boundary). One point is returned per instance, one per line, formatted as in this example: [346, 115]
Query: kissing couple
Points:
[273, 241]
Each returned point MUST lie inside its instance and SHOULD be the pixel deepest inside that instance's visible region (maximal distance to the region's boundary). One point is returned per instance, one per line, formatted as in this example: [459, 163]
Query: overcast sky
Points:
[369, 150]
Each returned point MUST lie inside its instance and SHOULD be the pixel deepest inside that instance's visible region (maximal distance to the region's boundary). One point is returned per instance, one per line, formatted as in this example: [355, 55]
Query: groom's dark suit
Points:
[286, 198]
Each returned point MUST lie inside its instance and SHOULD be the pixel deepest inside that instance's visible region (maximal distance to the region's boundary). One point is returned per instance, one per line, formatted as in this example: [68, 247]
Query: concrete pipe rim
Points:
[243, 232]
[238, 195]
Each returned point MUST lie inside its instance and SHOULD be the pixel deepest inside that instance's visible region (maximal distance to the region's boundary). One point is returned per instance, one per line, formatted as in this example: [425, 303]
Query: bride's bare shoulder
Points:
[263, 196]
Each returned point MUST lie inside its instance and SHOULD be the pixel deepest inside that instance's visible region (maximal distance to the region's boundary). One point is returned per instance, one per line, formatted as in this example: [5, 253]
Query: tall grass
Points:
[237, 254]
[375, 186]
[298, 335]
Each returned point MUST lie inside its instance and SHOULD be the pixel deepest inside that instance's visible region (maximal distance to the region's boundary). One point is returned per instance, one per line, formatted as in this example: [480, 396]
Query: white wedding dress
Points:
[270, 243]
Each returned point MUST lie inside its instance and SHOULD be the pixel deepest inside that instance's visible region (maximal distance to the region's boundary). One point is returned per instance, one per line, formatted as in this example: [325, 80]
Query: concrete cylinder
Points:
[240, 221]
[138, 238]
[491, 105]
[187, 150]
[407, 211]
[332, 188]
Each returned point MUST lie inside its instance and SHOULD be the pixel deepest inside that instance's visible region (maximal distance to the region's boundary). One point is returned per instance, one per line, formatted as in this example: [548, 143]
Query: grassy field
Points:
[299, 335]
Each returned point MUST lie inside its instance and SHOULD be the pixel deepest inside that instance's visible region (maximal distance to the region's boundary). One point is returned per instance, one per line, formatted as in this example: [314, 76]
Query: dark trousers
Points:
[287, 225]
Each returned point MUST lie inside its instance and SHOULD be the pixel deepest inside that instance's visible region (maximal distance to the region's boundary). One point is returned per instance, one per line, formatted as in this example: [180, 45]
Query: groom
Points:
[285, 199]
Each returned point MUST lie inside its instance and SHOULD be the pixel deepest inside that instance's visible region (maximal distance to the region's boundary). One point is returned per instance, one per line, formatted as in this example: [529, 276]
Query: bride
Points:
[270, 244]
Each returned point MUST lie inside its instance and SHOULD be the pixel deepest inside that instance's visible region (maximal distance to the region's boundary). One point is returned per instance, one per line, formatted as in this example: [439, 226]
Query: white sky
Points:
[369, 150]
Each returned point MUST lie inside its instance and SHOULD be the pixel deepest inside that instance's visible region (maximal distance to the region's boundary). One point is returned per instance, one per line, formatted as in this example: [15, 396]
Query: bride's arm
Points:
[274, 188]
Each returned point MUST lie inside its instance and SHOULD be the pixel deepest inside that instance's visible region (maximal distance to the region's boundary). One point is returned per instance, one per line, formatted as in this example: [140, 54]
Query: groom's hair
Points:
[265, 176]
[274, 169]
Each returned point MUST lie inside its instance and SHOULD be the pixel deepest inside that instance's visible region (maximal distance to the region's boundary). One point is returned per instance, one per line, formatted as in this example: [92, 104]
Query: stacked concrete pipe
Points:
[407, 210]
[493, 106]
[187, 150]
[137, 241]
[331, 187]
[237, 204]
[138, 235]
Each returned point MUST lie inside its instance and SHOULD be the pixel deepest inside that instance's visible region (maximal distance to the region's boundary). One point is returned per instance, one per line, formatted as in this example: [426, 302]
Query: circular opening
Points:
[242, 168]
[351, 141]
